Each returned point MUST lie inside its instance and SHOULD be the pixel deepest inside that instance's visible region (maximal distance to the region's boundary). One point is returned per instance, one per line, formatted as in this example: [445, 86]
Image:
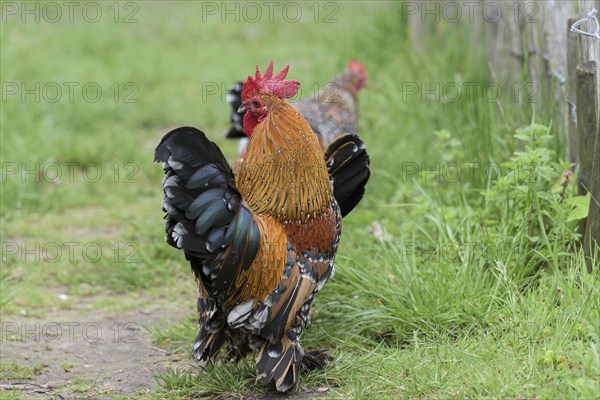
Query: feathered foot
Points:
[316, 359]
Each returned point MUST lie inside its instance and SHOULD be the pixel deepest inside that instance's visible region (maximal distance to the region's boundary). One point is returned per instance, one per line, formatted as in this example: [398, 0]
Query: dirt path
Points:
[79, 354]
[86, 353]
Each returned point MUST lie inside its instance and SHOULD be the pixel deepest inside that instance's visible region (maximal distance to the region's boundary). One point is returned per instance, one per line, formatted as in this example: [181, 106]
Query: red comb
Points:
[268, 83]
[356, 66]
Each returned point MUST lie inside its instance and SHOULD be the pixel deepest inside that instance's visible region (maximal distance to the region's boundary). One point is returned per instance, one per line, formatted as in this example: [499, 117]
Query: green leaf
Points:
[443, 134]
[539, 129]
[581, 207]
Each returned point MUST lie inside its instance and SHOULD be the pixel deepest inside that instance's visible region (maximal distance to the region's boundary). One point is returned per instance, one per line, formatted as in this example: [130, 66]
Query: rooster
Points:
[330, 113]
[261, 242]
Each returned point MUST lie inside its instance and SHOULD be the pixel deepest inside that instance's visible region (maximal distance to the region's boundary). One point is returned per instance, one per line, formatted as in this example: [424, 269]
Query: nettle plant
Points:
[534, 200]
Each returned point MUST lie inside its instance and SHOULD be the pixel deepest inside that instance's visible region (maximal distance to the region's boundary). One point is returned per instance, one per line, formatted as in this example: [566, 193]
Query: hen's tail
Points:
[234, 98]
[280, 362]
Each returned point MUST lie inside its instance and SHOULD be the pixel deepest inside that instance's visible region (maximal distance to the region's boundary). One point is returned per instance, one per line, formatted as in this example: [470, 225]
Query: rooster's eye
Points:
[255, 104]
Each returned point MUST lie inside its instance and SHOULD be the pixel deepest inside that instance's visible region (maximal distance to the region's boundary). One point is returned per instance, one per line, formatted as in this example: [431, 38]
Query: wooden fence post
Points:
[573, 58]
[587, 127]
[590, 50]
[591, 239]
[587, 118]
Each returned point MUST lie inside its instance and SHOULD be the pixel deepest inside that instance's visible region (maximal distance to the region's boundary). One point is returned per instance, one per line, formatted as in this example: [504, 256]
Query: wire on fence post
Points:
[590, 17]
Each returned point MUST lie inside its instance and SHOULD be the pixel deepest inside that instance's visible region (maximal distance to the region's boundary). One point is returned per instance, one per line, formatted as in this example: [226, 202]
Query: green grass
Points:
[12, 395]
[80, 385]
[476, 289]
[15, 371]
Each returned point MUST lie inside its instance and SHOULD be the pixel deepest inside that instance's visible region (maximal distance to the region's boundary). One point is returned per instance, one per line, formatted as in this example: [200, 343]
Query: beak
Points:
[241, 109]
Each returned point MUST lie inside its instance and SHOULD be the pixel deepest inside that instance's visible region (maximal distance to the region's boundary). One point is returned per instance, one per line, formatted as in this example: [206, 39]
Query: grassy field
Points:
[456, 277]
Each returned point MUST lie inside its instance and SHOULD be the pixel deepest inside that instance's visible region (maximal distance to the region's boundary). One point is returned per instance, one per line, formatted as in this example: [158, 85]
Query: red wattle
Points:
[250, 123]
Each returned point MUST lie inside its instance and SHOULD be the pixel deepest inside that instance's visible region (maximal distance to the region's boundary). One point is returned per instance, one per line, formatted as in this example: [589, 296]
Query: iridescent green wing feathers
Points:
[204, 215]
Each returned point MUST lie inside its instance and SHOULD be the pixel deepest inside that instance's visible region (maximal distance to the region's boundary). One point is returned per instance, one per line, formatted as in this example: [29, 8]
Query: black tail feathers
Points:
[234, 98]
[207, 345]
[348, 164]
[280, 362]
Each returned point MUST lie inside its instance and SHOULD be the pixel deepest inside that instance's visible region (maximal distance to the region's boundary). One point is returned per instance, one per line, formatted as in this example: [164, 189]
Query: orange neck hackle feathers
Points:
[283, 173]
